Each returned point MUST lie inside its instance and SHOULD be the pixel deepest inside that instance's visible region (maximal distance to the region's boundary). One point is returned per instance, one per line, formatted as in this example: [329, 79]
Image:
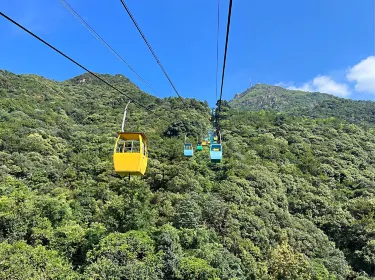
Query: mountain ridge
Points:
[309, 104]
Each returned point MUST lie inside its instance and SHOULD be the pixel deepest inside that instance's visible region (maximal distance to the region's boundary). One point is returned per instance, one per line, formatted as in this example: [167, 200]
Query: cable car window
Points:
[120, 146]
[128, 146]
[144, 148]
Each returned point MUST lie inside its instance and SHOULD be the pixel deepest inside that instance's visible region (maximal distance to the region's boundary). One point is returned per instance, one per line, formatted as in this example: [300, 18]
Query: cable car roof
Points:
[133, 134]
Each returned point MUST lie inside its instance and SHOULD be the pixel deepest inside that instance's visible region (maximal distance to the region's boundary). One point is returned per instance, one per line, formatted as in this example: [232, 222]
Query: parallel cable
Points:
[149, 47]
[75, 62]
[225, 54]
[100, 39]
[217, 42]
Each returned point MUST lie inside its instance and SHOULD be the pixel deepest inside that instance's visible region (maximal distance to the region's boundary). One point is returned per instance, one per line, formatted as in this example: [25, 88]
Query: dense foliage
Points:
[293, 198]
[308, 104]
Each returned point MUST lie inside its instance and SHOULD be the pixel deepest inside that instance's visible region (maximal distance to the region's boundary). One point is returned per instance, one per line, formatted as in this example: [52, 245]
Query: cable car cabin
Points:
[216, 153]
[199, 147]
[204, 143]
[130, 154]
[188, 150]
[211, 137]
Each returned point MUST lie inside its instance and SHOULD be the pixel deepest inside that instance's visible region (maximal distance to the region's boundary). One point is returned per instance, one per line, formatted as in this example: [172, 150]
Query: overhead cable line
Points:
[149, 46]
[217, 42]
[100, 39]
[225, 54]
[75, 62]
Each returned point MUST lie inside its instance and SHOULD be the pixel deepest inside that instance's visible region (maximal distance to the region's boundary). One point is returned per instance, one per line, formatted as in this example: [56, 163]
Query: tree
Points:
[21, 261]
[128, 255]
[286, 263]
[195, 268]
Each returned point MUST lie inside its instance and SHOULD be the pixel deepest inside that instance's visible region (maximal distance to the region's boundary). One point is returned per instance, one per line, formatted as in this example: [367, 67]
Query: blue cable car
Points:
[216, 152]
[211, 134]
[213, 116]
[188, 150]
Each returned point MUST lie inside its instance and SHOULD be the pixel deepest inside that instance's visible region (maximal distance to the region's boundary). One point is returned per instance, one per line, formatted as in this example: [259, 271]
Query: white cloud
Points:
[323, 84]
[327, 85]
[304, 87]
[363, 74]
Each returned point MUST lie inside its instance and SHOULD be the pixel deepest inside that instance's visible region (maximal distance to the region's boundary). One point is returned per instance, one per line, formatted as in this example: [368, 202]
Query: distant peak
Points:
[87, 78]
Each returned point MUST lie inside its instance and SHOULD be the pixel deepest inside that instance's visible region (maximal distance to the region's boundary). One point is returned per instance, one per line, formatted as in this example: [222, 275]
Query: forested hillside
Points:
[301, 103]
[293, 198]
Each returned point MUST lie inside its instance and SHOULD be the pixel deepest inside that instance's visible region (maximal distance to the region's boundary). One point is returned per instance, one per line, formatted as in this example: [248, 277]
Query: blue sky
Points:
[325, 45]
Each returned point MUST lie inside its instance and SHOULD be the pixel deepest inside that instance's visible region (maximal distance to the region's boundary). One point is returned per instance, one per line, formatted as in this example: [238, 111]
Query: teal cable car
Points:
[213, 119]
[199, 147]
[188, 149]
[211, 134]
[216, 152]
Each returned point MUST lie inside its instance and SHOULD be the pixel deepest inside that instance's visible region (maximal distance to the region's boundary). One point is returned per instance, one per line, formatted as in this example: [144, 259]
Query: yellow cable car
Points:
[204, 143]
[130, 154]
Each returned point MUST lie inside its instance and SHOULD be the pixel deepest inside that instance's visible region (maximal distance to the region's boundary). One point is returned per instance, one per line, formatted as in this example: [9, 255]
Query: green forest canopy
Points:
[293, 198]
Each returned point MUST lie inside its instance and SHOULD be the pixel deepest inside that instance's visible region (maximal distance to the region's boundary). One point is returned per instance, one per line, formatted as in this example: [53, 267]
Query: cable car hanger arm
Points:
[123, 119]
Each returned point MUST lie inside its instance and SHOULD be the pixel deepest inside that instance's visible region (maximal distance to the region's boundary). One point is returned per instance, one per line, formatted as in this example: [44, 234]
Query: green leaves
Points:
[286, 263]
[292, 199]
[195, 268]
[21, 261]
[125, 255]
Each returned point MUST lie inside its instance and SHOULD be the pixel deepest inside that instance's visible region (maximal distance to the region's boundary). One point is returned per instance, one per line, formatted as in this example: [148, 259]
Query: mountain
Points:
[300, 103]
[292, 199]
[266, 97]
